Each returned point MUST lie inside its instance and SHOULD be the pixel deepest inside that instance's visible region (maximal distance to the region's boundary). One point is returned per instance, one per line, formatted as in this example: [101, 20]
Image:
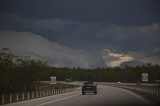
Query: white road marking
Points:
[54, 95]
[147, 102]
[57, 100]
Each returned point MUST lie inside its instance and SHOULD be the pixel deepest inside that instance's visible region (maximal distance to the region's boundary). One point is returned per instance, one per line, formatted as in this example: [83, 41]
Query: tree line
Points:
[19, 73]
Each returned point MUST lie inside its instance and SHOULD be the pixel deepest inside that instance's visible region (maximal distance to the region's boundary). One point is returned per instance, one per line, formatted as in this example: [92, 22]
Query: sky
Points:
[82, 33]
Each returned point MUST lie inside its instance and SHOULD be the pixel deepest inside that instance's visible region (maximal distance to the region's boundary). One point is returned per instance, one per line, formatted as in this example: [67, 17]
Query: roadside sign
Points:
[68, 80]
[145, 77]
[53, 79]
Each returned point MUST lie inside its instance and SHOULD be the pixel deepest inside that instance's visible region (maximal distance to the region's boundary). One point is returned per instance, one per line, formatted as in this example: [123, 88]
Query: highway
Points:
[107, 96]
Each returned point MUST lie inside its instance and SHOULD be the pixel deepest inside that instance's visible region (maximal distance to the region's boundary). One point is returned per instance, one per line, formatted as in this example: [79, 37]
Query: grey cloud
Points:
[66, 31]
[100, 35]
[92, 38]
[139, 38]
[26, 43]
[124, 12]
[144, 58]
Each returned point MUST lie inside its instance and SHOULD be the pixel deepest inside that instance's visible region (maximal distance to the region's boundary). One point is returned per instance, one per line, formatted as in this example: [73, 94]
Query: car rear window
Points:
[88, 82]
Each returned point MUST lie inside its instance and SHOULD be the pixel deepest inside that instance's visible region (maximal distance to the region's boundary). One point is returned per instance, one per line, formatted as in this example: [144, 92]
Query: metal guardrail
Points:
[148, 90]
[21, 96]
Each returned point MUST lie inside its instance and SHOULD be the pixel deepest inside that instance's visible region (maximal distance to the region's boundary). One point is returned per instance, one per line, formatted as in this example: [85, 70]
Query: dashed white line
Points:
[57, 100]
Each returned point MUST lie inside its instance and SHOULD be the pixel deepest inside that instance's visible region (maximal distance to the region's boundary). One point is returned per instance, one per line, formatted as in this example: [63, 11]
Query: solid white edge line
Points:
[144, 100]
[56, 100]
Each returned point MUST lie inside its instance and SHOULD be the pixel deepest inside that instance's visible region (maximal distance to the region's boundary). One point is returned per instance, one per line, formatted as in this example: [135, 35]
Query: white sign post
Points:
[53, 79]
[145, 77]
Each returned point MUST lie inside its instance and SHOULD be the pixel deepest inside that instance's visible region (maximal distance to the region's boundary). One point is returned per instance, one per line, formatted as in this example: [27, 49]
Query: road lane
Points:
[106, 96]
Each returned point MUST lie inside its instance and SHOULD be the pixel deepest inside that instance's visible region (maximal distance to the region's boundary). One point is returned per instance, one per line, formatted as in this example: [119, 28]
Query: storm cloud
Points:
[83, 28]
[29, 44]
[85, 35]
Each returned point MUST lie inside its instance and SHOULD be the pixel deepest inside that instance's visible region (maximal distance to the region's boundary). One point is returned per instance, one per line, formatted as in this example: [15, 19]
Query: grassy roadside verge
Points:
[48, 86]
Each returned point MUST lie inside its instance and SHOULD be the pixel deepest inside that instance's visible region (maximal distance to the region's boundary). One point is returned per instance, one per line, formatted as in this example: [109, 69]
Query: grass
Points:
[48, 86]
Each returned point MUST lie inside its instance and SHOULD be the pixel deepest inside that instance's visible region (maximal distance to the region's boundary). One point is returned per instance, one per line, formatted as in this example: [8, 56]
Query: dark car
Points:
[89, 87]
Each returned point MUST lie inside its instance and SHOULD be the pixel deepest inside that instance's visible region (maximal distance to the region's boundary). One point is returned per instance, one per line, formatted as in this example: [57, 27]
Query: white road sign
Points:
[145, 77]
[53, 79]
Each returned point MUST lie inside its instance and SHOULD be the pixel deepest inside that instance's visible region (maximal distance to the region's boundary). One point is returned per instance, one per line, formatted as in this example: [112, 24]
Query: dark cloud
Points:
[91, 25]
[88, 35]
[124, 12]
[36, 46]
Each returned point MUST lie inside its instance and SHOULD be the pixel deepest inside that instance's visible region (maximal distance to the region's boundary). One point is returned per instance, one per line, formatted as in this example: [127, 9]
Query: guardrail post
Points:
[49, 92]
[10, 98]
[43, 93]
[2, 99]
[152, 91]
[28, 95]
[40, 94]
[32, 94]
[37, 94]
[17, 97]
[144, 90]
[54, 92]
[157, 93]
[23, 96]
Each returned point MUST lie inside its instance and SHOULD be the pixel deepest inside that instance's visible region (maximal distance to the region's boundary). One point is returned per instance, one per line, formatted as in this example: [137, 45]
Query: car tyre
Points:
[83, 93]
[95, 92]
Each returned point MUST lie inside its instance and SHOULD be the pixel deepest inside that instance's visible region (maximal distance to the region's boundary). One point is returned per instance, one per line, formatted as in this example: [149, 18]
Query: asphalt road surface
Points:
[107, 96]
